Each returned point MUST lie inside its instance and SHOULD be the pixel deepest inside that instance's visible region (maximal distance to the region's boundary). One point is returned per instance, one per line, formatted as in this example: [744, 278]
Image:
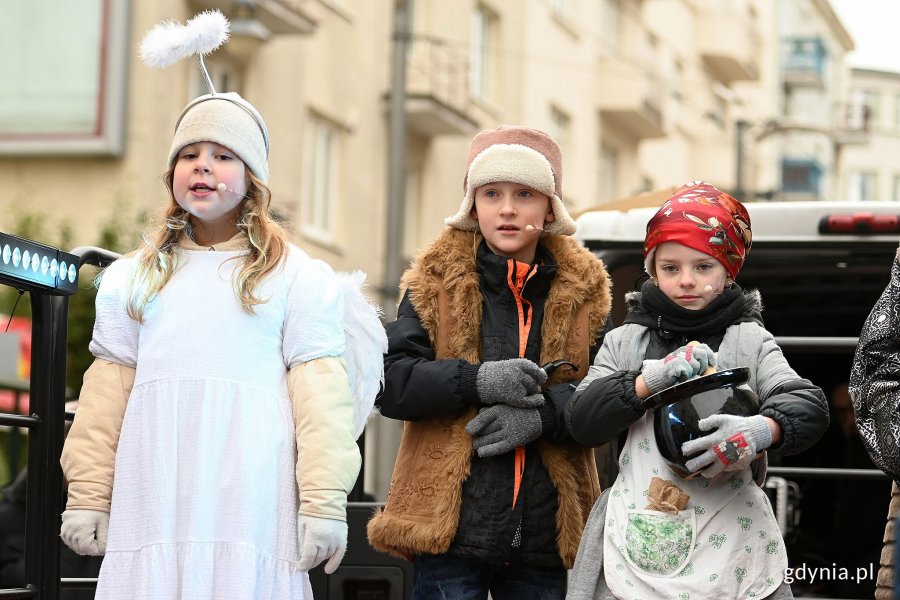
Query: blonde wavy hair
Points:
[157, 260]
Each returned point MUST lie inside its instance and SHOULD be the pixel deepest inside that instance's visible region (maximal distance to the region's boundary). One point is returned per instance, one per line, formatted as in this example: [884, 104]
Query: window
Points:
[677, 80]
[858, 113]
[800, 175]
[222, 75]
[806, 54]
[897, 112]
[64, 77]
[563, 8]
[411, 221]
[871, 101]
[481, 46]
[719, 112]
[862, 185]
[559, 128]
[650, 51]
[320, 176]
[606, 173]
[609, 25]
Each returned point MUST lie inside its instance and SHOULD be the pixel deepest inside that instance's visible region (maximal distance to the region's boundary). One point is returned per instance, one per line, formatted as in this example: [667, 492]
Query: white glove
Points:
[84, 531]
[320, 539]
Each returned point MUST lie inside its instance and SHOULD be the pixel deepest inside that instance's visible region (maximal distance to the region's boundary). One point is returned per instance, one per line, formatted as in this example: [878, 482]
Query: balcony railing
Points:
[437, 88]
[853, 123]
[804, 61]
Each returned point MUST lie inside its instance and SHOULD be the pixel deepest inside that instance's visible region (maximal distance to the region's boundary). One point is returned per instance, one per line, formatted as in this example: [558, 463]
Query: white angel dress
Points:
[205, 499]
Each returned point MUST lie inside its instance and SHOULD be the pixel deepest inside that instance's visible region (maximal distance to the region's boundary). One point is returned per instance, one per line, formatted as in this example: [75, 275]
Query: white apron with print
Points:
[726, 544]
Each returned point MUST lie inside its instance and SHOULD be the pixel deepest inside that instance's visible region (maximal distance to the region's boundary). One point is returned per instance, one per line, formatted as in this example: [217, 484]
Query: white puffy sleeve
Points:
[115, 333]
[313, 324]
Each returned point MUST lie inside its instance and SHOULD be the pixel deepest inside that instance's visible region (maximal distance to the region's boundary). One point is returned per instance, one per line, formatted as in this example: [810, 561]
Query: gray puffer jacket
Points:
[606, 403]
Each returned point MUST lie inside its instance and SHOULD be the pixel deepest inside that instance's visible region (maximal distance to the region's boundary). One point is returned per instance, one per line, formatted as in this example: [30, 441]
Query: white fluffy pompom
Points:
[169, 41]
[366, 344]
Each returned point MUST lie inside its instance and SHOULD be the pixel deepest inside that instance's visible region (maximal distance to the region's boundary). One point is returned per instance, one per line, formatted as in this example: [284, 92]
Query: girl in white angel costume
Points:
[215, 439]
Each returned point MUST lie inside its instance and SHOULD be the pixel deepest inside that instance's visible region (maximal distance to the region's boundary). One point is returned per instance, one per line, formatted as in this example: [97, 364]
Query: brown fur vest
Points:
[422, 510]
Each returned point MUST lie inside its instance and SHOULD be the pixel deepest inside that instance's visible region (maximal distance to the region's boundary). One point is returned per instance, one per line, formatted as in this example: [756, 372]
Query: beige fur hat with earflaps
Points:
[520, 155]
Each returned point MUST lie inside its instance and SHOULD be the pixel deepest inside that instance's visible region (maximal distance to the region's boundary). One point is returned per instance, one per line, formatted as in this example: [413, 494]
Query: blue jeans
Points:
[440, 577]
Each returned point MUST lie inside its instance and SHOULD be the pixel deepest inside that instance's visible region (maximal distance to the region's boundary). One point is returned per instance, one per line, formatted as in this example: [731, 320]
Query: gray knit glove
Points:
[731, 447]
[501, 428]
[680, 365]
[516, 382]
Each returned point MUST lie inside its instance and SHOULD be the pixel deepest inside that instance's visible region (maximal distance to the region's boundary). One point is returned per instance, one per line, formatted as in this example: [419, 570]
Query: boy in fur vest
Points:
[489, 493]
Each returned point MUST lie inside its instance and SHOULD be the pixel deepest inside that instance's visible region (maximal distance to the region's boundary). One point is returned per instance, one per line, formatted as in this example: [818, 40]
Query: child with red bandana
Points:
[713, 535]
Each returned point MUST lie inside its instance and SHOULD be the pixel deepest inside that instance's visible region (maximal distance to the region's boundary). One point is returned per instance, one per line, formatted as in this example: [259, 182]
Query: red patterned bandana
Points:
[703, 217]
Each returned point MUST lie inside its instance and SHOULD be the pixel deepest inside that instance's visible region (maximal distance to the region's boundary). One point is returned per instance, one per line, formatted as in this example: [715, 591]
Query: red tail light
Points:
[862, 222]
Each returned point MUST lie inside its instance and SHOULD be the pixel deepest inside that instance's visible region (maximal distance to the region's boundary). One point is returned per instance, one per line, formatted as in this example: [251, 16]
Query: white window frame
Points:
[563, 8]
[560, 127]
[413, 211]
[482, 32]
[319, 198]
[896, 112]
[225, 78]
[607, 168]
[862, 185]
[38, 74]
[676, 78]
[871, 99]
[609, 24]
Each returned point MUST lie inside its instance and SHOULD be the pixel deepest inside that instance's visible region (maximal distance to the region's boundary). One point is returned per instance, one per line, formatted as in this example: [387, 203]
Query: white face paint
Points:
[688, 277]
[210, 182]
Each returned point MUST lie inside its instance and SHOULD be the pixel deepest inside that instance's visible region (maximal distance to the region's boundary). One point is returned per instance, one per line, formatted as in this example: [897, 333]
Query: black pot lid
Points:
[724, 378]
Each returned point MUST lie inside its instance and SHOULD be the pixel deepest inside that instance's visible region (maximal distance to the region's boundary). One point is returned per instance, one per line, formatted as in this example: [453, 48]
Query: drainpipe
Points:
[396, 210]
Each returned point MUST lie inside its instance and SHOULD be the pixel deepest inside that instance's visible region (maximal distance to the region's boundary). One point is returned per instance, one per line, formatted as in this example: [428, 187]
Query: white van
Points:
[820, 267]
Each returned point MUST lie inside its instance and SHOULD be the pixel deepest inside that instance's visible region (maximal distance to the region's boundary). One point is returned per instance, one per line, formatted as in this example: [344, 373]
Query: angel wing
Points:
[366, 345]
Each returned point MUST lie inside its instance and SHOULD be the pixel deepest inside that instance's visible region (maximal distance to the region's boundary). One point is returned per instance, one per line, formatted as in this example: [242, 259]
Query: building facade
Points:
[814, 125]
[870, 171]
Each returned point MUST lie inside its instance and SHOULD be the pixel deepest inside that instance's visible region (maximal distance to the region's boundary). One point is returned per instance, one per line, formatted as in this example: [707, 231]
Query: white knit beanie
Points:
[519, 155]
[229, 120]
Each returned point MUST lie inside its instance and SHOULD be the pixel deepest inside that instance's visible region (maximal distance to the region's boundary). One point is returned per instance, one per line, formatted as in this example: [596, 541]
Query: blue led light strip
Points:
[32, 266]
